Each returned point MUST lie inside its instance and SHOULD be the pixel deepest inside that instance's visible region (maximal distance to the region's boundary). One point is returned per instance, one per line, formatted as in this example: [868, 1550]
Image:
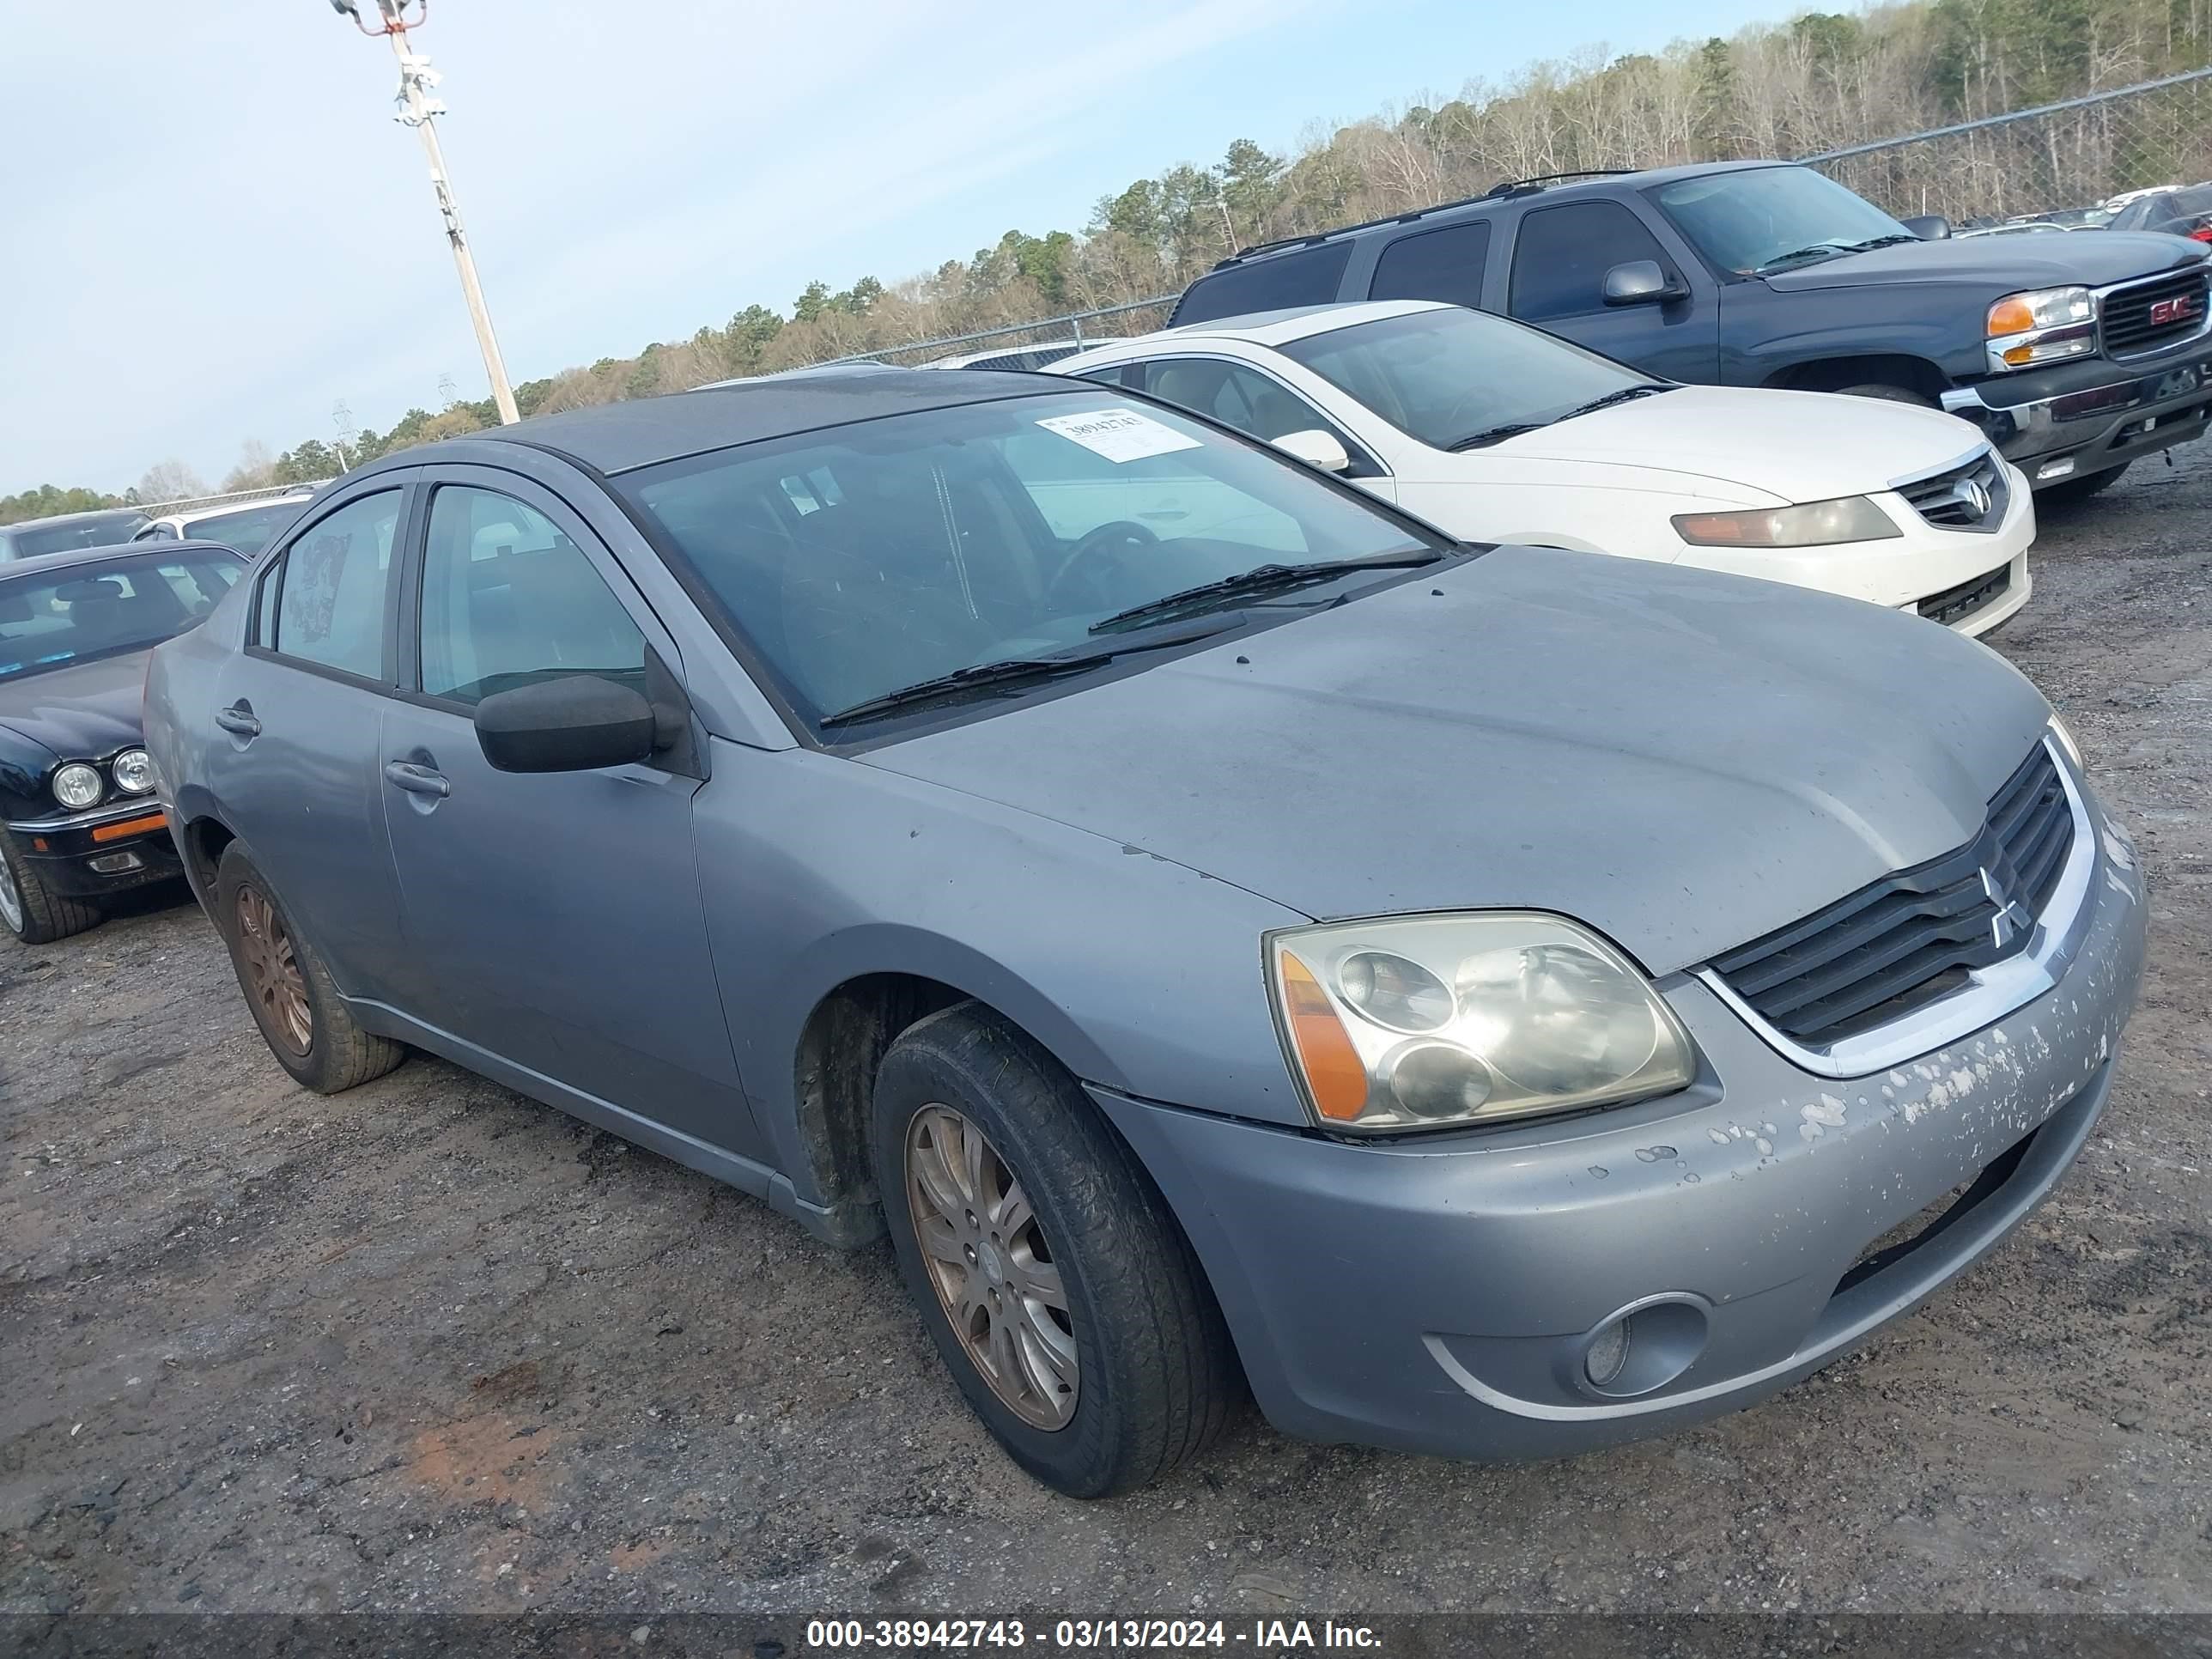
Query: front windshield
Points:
[1447, 375]
[878, 556]
[249, 530]
[84, 532]
[1746, 221]
[58, 617]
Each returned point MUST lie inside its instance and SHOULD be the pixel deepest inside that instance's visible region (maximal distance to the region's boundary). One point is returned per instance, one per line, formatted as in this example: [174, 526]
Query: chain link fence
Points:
[2071, 155]
[2075, 154]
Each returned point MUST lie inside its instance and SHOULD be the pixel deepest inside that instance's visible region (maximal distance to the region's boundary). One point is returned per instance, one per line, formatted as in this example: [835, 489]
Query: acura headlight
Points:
[133, 771]
[2043, 325]
[1814, 524]
[1432, 1022]
[77, 785]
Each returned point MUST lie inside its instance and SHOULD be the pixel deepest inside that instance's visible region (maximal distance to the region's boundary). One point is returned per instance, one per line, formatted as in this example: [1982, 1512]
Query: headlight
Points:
[1815, 524]
[133, 771]
[77, 785]
[2042, 326]
[1432, 1022]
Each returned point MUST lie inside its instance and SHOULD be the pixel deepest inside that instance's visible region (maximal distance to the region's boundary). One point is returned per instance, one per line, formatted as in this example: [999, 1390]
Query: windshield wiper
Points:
[1890, 241]
[1261, 578]
[1823, 251]
[1492, 435]
[1008, 670]
[1626, 394]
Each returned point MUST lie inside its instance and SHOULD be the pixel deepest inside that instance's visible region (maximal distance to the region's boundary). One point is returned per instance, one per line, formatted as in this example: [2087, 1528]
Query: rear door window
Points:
[328, 592]
[1435, 265]
[1562, 254]
[1305, 276]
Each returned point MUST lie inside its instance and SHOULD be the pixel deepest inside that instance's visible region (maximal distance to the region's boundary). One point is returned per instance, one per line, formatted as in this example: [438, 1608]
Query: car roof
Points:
[54, 518]
[113, 551]
[1266, 328]
[193, 515]
[619, 437]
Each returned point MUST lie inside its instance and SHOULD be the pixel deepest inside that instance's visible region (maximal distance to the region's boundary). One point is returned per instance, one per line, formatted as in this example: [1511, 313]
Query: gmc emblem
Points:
[2163, 311]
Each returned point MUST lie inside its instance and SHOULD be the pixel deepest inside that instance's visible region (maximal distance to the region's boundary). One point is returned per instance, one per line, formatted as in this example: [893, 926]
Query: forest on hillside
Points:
[1821, 81]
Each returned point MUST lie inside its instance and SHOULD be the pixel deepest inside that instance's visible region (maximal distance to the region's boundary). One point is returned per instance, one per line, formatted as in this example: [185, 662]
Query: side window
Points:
[329, 590]
[1435, 265]
[1114, 375]
[1273, 282]
[509, 600]
[1562, 254]
[1235, 396]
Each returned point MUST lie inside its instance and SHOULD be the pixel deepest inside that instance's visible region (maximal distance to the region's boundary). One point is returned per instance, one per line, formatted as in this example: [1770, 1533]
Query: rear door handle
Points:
[417, 779]
[239, 719]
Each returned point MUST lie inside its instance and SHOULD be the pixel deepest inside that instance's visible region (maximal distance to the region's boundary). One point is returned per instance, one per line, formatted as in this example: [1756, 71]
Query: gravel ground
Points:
[430, 1345]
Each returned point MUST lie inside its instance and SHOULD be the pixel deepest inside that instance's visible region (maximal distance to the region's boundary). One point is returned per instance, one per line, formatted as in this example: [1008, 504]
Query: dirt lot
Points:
[429, 1345]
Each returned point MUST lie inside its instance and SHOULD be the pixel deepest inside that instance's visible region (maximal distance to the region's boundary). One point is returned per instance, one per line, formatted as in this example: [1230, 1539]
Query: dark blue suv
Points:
[2076, 353]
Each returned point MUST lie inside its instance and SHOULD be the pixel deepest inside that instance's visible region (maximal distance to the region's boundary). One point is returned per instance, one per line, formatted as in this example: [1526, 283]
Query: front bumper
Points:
[1439, 1294]
[110, 849]
[2097, 414]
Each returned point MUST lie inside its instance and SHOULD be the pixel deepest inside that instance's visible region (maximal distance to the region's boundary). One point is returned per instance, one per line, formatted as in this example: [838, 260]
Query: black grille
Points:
[1970, 497]
[1912, 936]
[1956, 603]
[2145, 316]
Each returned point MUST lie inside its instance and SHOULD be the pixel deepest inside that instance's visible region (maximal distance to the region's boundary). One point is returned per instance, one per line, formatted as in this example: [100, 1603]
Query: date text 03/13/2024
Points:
[1259, 1636]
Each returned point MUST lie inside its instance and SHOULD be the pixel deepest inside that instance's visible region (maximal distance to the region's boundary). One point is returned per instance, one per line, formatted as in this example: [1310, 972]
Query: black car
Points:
[2075, 354]
[77, 790]
[2177, 212]
[63, 532]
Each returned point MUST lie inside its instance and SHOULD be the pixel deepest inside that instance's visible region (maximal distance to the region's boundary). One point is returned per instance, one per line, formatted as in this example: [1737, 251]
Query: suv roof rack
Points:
[1499, 191]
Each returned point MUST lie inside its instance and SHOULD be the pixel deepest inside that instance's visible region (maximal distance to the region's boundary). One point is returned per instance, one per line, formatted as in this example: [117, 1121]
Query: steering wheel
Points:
[1116, 536]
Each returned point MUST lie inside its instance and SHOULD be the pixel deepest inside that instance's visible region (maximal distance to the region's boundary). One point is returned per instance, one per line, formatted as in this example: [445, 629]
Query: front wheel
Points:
[302, 1017]
[1895, 394]
[1052, 1277]
[2082, 487]
[34, 912]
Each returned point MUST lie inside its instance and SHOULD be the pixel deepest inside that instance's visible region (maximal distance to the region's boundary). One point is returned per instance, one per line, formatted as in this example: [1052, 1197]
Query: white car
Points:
[249, 526]
[1496, 432]
[1042, 355]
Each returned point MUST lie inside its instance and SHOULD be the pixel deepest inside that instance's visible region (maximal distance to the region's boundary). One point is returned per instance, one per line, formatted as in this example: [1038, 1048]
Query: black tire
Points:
[336, 1053]
[1156, 1378]
[38, 916]
[1895, 394]
[2067, 491]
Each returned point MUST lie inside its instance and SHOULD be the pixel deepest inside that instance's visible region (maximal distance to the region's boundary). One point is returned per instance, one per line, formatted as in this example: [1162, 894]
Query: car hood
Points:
[83, 711]
[2003, 264]
[1683, 760]
[1798, 446]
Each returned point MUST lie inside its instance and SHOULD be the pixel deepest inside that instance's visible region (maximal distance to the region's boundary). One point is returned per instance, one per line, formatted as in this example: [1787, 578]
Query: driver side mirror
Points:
[1929, 227]
[1641, 283]
[578, 723]
[1316, 448]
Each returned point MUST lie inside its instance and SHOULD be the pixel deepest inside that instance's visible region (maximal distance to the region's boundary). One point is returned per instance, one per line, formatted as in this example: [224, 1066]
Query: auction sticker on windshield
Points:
[1119, 435]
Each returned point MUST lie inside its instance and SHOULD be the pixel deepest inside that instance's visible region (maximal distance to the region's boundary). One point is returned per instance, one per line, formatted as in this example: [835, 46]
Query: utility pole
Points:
[418, 109]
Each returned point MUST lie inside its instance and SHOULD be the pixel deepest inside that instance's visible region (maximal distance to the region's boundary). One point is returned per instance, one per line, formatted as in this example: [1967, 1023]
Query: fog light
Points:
[2050, 469]
[114, 864]
[1608, 1354]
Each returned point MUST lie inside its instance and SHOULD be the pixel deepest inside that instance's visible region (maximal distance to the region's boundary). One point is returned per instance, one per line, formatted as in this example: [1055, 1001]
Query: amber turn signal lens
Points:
[2010, 316]
[1335, 1073]
[128, 827]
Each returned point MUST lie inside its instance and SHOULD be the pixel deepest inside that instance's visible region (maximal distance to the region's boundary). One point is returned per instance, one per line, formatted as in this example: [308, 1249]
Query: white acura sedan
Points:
[1497, 432]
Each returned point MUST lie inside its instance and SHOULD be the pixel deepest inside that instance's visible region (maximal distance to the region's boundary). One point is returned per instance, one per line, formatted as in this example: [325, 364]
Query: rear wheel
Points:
[1052, 1277]
[34, 913]
[302, 1018]
[2082, 487]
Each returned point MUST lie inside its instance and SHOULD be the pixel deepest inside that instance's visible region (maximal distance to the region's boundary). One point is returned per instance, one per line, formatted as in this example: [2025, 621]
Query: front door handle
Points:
[239, 720]
[417, 779]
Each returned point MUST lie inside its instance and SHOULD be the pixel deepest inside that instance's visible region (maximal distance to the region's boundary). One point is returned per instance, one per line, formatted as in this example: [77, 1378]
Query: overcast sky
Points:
[216, 232]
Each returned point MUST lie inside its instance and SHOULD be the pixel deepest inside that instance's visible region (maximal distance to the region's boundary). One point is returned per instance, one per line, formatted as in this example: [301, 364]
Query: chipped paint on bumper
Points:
[1438, 1293]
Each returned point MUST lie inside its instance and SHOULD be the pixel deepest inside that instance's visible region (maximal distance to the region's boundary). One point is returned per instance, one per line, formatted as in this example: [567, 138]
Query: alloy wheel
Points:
[279, 989]
[11, 899]
[991, 1265]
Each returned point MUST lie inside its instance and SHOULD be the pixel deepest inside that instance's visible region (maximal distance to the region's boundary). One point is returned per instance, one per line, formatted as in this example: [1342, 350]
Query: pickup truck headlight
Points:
[1438, 1022]
[2043, 325]
[1815, 524]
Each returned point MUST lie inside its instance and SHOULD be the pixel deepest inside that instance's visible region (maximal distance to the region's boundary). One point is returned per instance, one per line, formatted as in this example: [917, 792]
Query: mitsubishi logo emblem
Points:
[2012, 921]
[1975, 494]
